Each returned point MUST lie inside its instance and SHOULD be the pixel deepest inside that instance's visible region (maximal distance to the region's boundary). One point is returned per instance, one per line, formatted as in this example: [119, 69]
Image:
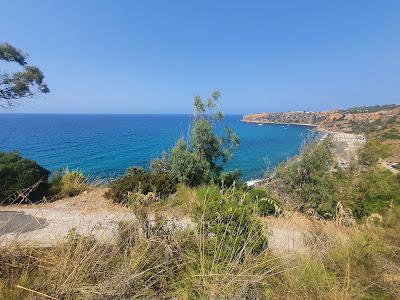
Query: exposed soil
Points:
[92, 214]
[294, 232]
[49, 223]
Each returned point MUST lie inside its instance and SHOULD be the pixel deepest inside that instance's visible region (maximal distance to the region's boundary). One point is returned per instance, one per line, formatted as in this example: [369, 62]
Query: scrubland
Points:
[314, 230]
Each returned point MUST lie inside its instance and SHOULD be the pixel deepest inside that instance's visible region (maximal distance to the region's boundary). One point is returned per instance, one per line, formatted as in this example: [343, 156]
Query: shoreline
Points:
[277, 123]
[345, 144]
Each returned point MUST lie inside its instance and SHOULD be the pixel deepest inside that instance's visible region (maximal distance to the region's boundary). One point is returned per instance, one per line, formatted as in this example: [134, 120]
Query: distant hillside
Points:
[376, 122]
[368, 109]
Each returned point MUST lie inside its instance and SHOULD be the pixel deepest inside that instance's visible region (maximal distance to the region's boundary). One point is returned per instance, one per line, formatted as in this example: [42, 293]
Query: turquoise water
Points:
[105, 145]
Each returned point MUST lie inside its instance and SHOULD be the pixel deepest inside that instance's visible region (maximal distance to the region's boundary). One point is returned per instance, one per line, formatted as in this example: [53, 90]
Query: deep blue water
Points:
[105, 145]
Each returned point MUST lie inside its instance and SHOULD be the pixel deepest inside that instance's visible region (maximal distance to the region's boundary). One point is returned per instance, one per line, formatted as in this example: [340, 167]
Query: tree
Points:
[308, 178]
[372, 151]
[19, 85]
[17, 173]
[200, 159]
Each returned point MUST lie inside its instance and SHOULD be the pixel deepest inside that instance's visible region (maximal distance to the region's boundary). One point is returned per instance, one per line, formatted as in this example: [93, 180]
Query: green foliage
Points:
[372, 151]
[266, 203]
[188, 166]
[18, 85]
[138, 180]
[11, 54]
[229, 179]
[314, 182]
[353, 268]
[17, 173]
[223, 257]
[229, 221]
[306, 177]
[367, 256]
[313, 278]
[160, 165]
[200, 159]
[69, 183]
[378, 190]
[369, 109]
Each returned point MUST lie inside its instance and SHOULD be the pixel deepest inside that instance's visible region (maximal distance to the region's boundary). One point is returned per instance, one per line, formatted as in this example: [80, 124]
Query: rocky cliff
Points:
[350, 120]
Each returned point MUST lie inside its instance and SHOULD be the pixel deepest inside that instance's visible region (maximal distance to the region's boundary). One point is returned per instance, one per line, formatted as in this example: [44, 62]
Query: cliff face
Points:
[286, 117]
[335, 119]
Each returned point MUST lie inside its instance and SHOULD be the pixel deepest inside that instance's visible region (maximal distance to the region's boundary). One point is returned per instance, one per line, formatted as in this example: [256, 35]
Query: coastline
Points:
[276, 123]
[324, 133]
[346, 144]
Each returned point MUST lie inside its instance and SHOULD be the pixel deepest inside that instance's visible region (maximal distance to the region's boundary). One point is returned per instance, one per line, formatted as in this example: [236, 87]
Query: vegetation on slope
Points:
[17, 173]
[368, 109]
[223, 252]
[314, 183]
[201, 157]
[226, 256]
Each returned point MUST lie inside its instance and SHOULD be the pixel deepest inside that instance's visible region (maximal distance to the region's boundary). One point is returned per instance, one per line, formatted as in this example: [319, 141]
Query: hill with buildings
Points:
[380, 122]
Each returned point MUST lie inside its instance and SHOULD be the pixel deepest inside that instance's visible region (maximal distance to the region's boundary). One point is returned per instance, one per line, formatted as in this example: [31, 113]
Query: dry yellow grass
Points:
[152, 262]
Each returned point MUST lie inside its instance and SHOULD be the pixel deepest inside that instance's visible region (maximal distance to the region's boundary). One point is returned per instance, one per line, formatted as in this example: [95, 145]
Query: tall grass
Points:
[68, 183]
[224, 257]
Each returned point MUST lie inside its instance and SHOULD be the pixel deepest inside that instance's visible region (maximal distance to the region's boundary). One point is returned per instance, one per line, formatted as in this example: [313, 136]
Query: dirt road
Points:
[47, 224]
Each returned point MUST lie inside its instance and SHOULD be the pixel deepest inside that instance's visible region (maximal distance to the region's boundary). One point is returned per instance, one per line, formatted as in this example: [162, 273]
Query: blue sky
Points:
[154, 56]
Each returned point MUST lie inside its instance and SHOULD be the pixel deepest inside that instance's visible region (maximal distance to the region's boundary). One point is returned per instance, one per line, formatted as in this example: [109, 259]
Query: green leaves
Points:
[17, 173]
[188, 166]
[11, 54]
[138, 180]
[23, 84]
[200, 159]
[205, 110]
[198, 105]
[373, 150]
[307, 178]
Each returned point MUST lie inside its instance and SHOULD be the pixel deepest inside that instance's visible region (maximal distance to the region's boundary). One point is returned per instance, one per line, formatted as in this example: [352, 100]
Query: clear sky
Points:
[154, 56]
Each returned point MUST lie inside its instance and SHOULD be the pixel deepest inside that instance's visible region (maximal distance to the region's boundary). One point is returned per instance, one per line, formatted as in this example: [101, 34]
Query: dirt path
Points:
[46, 224]
[299, 233]
[92, 214]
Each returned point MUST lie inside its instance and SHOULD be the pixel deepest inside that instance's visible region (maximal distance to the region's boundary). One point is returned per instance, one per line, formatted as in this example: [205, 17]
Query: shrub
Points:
[372, 152]
[229, 220]
[187, 166]
[378, 189]
[267, 205]
[17, 173]
[138, 180]
[68, 183]
[307, 178]
[229, 179]
[200, 159]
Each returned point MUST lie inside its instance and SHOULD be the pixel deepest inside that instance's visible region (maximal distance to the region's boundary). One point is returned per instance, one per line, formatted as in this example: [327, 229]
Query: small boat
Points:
[259, 124]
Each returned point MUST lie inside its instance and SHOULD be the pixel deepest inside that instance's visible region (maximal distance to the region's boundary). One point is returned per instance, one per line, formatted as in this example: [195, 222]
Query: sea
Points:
[104, 146]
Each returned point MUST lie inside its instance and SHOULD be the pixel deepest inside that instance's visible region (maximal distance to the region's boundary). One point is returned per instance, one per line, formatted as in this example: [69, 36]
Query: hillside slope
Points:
[375, 122]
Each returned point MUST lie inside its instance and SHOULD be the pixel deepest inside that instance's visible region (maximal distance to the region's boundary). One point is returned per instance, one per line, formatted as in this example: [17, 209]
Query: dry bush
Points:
[69, 183]
[355, 265]
[153, 262]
